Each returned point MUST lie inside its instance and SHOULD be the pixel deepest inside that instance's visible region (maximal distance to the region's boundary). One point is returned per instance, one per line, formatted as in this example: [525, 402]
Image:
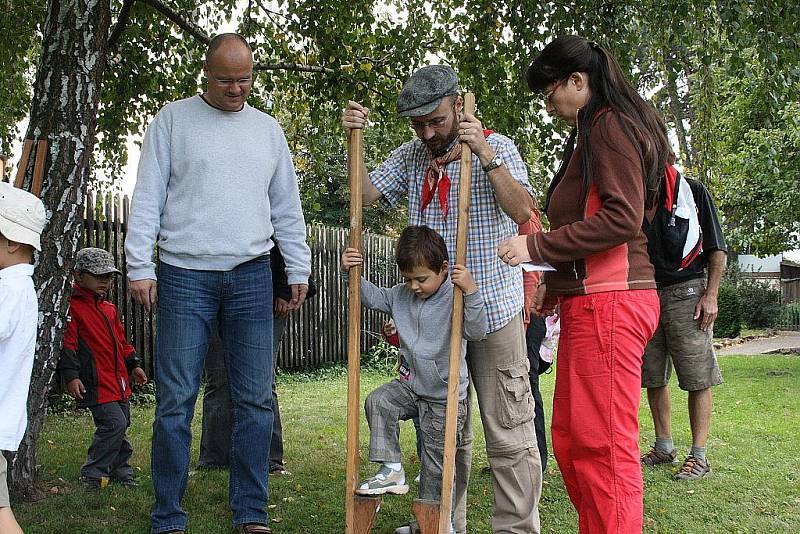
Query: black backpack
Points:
[674, 236]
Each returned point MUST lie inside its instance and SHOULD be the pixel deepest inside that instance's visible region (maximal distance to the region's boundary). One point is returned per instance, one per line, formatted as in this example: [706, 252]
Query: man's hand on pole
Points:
[470, 131]
[354, 116]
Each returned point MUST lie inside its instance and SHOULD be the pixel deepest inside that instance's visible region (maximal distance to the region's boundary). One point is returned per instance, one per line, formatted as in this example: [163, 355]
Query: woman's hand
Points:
[515, 250]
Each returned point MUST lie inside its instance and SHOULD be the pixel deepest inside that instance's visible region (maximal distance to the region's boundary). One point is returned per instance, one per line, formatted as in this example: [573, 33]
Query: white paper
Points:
[529, 266]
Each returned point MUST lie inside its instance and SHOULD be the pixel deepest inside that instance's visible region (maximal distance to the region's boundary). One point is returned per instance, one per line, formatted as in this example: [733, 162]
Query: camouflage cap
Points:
[424, 90]
[95, 261]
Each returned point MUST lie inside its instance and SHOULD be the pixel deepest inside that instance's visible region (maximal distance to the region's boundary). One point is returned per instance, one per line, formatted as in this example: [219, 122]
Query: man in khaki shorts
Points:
[684, 340]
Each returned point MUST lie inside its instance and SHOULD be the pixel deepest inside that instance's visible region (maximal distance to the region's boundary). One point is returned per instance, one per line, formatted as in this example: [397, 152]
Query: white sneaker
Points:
[386, 480]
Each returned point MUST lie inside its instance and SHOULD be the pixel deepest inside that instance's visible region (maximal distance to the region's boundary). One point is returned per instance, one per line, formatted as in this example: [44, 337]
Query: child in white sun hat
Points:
[22, 218]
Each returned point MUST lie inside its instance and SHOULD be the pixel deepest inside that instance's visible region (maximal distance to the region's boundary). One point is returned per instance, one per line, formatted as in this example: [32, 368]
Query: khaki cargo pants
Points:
[498, 367]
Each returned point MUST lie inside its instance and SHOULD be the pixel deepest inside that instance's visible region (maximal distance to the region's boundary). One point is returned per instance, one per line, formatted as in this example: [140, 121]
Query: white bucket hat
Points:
[22, 216]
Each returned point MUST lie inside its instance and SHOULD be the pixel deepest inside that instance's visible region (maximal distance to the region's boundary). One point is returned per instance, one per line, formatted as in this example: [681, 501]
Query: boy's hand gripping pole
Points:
[433, 517]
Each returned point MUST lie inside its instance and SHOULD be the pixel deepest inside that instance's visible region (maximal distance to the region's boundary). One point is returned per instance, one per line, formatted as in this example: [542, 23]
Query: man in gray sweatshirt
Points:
[215, 182]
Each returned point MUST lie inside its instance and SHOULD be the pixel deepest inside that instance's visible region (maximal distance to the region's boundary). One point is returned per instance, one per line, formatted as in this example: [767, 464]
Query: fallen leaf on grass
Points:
[276, 519]
[690, 492]
[54, 490]
[273, 506]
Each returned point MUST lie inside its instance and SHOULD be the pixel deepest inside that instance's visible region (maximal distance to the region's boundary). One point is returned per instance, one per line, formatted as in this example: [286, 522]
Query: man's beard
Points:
[442, 142]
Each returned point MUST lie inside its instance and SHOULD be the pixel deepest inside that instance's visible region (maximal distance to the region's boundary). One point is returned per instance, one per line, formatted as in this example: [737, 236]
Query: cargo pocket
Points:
[514, 399]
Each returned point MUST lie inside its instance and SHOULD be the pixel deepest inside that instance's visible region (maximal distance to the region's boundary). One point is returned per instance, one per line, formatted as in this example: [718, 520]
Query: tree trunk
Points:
[676, 107]
[64, 113]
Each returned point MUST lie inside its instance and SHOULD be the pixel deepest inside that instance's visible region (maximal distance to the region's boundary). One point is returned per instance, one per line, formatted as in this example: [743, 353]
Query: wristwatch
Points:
[496, 162]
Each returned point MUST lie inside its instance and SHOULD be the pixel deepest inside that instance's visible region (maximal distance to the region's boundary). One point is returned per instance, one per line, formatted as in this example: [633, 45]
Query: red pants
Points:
[596, 405]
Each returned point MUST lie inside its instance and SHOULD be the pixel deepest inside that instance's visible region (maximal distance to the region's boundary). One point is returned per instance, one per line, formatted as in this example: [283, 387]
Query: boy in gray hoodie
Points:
[422, 310]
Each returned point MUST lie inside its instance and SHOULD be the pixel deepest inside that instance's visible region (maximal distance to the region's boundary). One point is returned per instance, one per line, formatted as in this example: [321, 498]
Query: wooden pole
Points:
[434, 517]
[38, 168]
[359, 510]
[448, 464]
[23, 162]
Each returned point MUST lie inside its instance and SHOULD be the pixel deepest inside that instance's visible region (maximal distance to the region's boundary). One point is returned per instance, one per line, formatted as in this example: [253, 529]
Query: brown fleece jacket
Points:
[596, 241]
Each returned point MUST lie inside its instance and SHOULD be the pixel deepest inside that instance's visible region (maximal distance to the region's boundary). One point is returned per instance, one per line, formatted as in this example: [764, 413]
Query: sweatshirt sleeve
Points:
[149, 197]
[68, 364]
[132, 359]
[618, 183]
[476, 322]
[287, 215]
[376, 298]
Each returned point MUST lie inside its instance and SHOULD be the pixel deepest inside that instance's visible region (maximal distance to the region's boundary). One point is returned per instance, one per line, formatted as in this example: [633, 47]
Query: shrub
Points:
[789, 315]
[729, 320]
[381, 357]
[762, 304]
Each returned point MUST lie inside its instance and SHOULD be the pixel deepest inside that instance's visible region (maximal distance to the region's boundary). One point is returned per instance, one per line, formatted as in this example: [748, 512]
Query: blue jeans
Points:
[191, 304]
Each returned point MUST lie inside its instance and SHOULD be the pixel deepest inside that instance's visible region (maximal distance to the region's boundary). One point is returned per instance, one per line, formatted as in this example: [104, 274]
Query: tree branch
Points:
[119, 27]
[293, 66]
[195, 31]
[189, 27]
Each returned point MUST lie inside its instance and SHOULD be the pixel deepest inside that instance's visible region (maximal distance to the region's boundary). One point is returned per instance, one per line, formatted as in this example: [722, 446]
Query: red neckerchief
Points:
[436, 179]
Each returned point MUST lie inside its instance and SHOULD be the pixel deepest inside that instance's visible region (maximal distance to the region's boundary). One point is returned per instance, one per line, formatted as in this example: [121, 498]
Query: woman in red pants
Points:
[613, 166]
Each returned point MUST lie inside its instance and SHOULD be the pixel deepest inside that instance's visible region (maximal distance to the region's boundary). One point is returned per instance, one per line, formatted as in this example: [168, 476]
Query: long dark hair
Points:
[610, 90]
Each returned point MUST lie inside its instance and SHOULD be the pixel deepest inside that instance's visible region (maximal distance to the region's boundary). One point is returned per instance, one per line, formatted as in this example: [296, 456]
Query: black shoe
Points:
[128, 482]
[211, 466]
[91, 484]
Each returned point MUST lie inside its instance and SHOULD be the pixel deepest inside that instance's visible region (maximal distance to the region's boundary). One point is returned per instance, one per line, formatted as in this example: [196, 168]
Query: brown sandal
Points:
[253, 528]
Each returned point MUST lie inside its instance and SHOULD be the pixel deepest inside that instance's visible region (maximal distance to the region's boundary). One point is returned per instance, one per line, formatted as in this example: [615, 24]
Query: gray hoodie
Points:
[424, 328]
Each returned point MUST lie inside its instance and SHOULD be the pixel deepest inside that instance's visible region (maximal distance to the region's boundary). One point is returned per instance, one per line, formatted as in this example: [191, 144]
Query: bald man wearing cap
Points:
[215, 183]
[426, 170]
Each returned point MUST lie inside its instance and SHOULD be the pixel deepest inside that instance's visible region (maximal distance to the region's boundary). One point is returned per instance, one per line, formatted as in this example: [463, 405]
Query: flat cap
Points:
[424, 90]
[95, 261]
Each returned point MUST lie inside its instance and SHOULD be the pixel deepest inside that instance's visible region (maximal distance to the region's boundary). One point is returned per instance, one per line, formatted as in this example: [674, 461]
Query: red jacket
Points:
[95, 349]
[530, 279]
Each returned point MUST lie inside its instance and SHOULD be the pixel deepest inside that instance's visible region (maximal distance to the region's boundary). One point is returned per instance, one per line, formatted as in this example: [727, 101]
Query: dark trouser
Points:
[396, 401]
[215, 441]
[110, 450]
[534, 335]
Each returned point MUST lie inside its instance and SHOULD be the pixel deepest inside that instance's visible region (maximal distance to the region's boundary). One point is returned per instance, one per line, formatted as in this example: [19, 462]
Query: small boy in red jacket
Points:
[95, 363]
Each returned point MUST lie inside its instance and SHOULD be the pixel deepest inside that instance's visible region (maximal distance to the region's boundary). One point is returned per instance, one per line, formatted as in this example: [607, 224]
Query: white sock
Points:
[394, 466]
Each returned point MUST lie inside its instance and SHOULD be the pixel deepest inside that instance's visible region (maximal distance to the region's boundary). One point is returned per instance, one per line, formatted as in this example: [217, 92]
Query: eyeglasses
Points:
[228, 82]
[549, 94]
[435, 123]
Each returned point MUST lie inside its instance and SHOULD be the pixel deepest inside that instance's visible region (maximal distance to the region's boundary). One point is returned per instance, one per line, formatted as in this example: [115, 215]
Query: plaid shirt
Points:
[402, 174]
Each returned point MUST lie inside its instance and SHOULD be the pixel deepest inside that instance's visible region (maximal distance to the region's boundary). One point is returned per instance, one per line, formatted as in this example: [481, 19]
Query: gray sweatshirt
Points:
[424, 327]
[212, 188]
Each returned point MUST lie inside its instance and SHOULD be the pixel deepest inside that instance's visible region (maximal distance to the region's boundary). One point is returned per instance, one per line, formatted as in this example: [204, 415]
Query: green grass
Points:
[754, 449]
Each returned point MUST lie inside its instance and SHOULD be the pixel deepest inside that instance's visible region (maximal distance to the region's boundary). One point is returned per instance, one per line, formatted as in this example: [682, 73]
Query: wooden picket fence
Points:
[315, 334]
